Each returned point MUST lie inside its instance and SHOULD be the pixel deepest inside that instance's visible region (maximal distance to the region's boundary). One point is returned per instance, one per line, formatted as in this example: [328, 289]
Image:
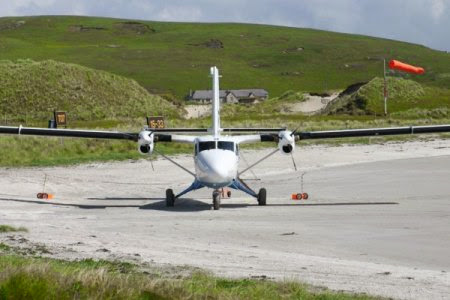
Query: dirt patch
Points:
[293, 50]
[12, 25]
[293, 73]
[354, 65]
[262, 65]
[135, 27]
[197, 111]
[212, 43]
[82, 28]
[314, 103]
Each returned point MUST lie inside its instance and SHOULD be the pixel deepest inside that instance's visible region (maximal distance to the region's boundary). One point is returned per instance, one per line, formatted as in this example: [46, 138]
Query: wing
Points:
[371, 132]
[328, 134]
[97, 134]
[269, 135]
[69, 133]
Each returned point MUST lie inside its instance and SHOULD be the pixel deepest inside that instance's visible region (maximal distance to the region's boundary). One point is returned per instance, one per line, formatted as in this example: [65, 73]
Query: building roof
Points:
[207, 94]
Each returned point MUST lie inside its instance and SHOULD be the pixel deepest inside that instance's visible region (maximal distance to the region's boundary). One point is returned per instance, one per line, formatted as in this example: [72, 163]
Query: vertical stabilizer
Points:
[215, 102]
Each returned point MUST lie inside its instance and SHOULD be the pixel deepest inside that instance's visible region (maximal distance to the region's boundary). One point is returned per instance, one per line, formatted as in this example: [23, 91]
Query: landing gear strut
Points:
[170, 198]
[216, 199]
[262, 195]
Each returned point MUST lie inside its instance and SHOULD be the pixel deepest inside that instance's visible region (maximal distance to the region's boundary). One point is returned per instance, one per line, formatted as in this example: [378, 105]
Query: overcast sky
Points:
[425, 22]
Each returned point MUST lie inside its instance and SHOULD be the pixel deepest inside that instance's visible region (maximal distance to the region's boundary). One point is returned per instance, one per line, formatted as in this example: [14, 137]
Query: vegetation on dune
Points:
[291, 96]
[173, 58]
[8, 228]
[39, 278]
[32, 90]
[404, 95]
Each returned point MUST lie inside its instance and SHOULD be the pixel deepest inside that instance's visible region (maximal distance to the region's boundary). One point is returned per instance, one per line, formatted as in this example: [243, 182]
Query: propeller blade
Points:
[293, 161]
[295, 130]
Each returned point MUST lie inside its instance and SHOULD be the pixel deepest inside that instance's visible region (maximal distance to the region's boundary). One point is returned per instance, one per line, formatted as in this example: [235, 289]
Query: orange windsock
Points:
[397, 65]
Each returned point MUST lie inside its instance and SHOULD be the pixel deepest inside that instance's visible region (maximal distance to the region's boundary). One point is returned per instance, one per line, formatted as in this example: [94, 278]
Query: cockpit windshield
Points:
[202, 146]
[225, 145]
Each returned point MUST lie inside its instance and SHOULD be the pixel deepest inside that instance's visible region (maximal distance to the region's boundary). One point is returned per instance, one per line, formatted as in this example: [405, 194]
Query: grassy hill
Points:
[405, 98]
[175, 57]
[32, 90]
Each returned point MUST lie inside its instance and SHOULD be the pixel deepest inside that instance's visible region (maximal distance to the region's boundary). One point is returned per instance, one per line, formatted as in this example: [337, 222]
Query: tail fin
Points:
[215, 102]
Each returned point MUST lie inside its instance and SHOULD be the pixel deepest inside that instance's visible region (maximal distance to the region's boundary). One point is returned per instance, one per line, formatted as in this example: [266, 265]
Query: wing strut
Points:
[262, 159]
[174, 162]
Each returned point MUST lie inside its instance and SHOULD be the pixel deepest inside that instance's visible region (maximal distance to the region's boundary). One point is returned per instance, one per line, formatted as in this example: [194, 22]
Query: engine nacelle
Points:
[145, 142]
[286, 142]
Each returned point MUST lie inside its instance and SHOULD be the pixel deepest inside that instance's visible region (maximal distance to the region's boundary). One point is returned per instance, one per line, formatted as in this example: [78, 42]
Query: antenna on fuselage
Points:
[215, 103]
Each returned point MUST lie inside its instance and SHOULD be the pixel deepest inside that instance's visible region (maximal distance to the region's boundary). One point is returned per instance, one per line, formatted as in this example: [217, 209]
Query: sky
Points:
[425, 22]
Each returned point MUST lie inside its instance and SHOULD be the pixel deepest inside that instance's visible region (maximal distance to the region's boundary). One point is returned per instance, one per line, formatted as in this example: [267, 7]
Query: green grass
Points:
[38, 151]
[7, 228]
[4, 247]
[39, 278]
[173, 58]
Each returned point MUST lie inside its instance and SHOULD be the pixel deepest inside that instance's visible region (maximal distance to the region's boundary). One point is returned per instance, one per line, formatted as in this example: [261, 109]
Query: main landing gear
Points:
[170, 198]
[262, 195]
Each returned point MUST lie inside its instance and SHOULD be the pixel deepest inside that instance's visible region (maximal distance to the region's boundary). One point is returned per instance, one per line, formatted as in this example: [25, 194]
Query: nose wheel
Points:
[216, 199]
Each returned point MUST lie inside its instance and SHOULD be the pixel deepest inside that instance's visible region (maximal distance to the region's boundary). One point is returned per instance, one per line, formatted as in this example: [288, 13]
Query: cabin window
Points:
[226, 146]
[202, 146]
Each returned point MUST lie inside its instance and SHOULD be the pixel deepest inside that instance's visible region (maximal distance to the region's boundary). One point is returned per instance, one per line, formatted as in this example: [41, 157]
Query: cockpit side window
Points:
[202, 146]
[226, 145]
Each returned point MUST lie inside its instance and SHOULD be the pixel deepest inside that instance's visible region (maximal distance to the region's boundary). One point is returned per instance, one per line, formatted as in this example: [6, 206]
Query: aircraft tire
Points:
[216, 200]
[262, 195]
[170, 198]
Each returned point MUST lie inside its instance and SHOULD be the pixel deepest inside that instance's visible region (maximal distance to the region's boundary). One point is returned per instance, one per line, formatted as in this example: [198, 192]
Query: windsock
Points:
[397, 65]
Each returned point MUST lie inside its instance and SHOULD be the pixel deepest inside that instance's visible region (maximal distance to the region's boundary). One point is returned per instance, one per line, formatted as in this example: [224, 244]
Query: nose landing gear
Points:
[216, 199]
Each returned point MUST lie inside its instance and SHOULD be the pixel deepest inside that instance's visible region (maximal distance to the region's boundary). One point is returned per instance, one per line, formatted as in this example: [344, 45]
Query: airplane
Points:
[217, 155]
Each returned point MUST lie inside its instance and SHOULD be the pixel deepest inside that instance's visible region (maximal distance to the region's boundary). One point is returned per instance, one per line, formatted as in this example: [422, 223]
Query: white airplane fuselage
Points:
[216, 161]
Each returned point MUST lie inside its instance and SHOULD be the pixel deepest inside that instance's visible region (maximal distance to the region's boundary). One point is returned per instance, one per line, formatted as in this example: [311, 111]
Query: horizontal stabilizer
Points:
[205, 130]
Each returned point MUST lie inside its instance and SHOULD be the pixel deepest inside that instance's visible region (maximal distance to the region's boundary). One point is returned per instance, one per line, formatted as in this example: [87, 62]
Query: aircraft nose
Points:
[220, 167]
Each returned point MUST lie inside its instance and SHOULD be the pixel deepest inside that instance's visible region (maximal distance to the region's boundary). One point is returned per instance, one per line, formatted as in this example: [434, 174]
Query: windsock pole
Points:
[385, 87]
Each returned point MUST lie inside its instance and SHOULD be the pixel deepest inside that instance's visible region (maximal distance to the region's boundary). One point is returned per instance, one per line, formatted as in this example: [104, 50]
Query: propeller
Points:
[295, 130]
[292, 154]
